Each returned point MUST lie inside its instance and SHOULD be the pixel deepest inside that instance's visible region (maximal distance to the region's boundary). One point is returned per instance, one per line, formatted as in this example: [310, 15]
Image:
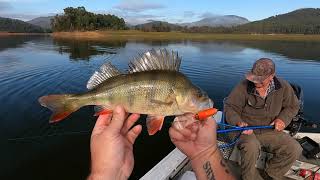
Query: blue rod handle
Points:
[243, 129]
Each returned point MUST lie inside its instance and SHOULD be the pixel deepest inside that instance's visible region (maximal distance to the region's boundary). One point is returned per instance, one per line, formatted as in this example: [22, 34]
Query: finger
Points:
[118, 119]
[242, 124]
[175, 135]
[244, 132]
[130, 122]
[211, 122]
[194, 127]
[185, 117]
[193, 137]
[134, 133]
[247, 132]
[280, 127]
[185, 132]
[102, 121]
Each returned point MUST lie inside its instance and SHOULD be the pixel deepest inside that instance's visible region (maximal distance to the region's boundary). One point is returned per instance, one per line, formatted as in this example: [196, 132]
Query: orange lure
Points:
[202, 115]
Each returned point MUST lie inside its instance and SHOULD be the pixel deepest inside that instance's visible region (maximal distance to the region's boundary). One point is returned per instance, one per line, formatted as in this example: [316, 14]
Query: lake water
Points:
[34, 66]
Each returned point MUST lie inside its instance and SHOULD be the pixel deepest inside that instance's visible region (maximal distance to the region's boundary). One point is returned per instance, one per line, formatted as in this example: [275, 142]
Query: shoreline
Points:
[140, 35]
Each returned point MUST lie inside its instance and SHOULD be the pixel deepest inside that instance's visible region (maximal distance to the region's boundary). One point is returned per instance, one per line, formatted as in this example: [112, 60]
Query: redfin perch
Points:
[152, 86]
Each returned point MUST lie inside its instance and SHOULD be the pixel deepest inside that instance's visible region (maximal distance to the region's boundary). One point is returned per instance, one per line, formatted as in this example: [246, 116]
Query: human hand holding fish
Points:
[198, 141]
[111, 145]
[195, 137]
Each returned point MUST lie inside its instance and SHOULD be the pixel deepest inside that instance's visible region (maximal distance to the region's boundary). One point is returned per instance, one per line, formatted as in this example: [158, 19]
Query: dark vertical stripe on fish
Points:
[154, 79]
[130, 98]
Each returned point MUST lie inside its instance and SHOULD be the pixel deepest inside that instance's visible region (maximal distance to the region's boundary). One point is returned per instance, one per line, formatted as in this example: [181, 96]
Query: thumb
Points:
[272, 124]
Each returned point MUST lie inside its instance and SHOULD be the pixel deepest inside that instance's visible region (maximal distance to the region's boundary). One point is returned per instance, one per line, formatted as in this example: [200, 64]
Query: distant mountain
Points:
[301, 21]
[219, 21]
[160, 26]
[44, 22]
[14, 25]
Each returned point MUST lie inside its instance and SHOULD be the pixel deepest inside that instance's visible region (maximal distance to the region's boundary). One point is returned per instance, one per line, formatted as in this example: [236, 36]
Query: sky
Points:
[141, 11]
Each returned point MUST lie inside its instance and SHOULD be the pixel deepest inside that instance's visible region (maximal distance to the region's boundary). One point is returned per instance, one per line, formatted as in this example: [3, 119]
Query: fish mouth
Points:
[207, 105]
[210, 103]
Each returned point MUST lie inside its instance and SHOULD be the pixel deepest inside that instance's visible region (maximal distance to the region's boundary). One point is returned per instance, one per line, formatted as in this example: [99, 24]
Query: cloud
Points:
[187, 14]
[23, 17]
[137, 6]
[130, 17]
[207, 15]
[4, 6]
[141, 18]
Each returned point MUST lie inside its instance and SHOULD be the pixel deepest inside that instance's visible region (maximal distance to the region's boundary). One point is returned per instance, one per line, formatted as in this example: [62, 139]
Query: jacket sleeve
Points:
[290, 105]
[234, 104]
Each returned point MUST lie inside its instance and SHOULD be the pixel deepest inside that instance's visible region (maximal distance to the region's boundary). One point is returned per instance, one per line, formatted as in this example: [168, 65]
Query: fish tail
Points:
[61, 105]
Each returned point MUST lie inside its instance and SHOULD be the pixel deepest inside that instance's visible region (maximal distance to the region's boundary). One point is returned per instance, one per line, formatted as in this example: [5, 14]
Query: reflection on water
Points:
[292, 50]
[15, 41]
[34, 66]
[83, 50]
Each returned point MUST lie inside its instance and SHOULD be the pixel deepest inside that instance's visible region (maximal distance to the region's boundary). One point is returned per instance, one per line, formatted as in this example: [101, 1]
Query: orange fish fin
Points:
[56, 117]
[154, 123]
[99, 110]
[61, 105]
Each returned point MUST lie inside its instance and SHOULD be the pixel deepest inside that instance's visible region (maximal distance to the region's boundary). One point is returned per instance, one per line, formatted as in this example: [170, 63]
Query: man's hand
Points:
[111, 145]
[243, 124]
[198, 141]
[279, 125]
[196, 137]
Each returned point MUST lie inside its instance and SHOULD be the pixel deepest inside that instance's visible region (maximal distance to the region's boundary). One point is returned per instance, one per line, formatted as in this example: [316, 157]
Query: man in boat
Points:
[264, 99]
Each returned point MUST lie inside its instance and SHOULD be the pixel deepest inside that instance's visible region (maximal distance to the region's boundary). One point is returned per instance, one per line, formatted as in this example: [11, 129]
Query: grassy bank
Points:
[139, 35]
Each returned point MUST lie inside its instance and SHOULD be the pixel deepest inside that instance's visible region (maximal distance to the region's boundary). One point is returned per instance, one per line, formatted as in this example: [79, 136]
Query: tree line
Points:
[302, 21]
[14, 25]
[254, 28]
[78, 19]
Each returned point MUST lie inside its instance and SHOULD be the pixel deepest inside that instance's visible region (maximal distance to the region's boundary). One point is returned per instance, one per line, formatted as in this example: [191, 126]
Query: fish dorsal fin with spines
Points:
[156, 60]
[107, 71]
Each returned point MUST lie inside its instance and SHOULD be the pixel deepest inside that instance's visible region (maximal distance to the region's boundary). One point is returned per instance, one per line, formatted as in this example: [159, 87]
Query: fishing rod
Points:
[221, 131]
[202, 115]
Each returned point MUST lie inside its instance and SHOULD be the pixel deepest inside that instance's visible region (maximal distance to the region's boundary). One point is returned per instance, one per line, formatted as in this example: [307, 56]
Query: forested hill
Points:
[301, 21]
[158, 26]
[14, 25]
[78, 19]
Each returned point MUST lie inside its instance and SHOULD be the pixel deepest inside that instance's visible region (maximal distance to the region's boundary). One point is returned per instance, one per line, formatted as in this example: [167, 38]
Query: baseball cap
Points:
[261, 70]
